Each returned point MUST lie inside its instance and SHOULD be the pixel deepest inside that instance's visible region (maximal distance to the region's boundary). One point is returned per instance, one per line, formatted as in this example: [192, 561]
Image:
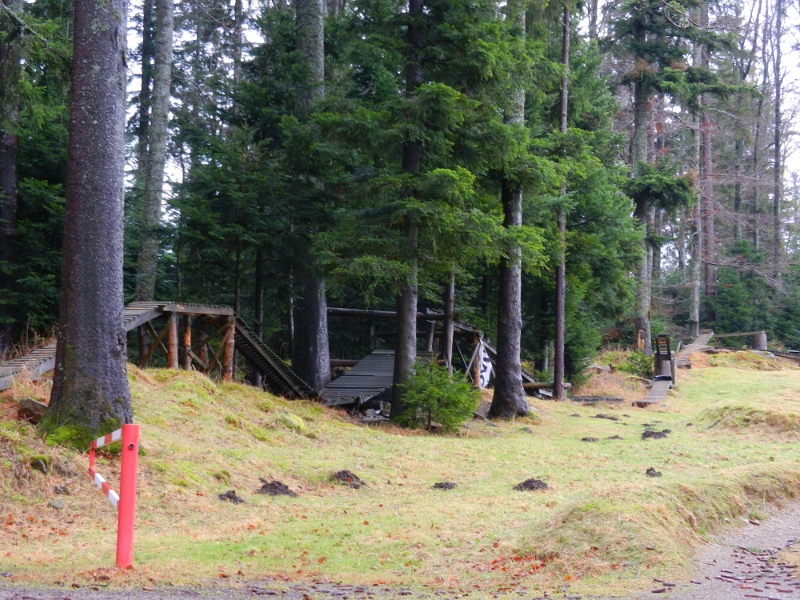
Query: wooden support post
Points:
[187, 342]
[431, 333]
[449, 310]
[142, 330]
[227, 353]
[172, 341]
[476, 364]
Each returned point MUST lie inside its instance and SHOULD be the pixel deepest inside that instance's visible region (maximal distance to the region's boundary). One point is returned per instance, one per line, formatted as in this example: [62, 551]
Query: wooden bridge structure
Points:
[186, 338]
[371, 378]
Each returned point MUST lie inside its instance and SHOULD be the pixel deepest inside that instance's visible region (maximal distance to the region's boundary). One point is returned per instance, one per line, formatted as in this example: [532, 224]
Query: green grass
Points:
[602, 526]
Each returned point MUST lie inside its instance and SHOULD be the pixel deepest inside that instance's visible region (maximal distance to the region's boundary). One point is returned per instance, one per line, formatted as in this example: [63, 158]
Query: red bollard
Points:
[127, 495]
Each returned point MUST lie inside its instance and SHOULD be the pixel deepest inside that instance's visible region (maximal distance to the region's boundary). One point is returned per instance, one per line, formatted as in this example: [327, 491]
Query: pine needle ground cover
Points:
[603, 526]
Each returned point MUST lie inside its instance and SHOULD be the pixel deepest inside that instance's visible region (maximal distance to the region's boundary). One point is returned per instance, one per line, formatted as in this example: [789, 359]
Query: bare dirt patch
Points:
[531, 485]
[275, 488]
[348, 478]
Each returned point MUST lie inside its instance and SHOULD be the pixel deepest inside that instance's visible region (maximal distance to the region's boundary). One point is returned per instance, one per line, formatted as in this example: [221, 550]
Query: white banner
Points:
[485, 365]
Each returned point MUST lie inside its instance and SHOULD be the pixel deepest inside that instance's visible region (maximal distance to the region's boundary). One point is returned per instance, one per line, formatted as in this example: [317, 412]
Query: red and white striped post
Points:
[125, 501]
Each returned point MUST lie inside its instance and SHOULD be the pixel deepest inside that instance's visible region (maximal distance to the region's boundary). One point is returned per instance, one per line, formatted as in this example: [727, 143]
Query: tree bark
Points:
[258, 308]
[405, 354]
[309, 16]
[146, 89]
[311, 356]
[90, 386]
[757, 136]
[156, 156]
[310, 351]
[777, 186]
[9, 113]
[707, 180]
[561, 268]
[509, 398]
[644, 271]
[449, 318]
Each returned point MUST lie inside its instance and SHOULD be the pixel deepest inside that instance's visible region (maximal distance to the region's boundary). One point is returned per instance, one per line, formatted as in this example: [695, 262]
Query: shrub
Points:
[638, 363]
[431, 395]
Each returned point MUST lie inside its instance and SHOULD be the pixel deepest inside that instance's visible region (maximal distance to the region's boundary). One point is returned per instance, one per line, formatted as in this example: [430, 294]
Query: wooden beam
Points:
[728, 335]
[187, 342]
[546, 386]
[203, 364]
[156, 343]
[227, 355]
[172, 341]
[222, 344]
[377, 314]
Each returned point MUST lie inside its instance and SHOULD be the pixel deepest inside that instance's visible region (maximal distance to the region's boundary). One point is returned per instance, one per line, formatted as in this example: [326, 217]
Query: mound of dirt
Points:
[348, 478]
[651, 472]
[589, 439]
[231, 496]
[444, 485]
[609, 417]
[531, 485]
[652, 434]
[614, 437]
[275, 488]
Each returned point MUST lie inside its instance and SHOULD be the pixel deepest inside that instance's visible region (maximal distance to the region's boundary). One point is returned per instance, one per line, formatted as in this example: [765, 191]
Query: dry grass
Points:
[602, 526]
[616, 385]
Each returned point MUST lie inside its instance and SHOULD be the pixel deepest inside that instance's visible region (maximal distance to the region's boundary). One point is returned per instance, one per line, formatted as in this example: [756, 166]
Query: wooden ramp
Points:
[277, 374]
[372, 376]
[660, 389]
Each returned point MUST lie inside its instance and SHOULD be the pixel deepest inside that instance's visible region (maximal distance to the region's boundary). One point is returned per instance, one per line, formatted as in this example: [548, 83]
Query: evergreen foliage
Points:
[431, 397]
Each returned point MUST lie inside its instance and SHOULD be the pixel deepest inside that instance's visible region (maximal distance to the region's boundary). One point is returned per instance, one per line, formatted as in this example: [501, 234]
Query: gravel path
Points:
[740, 565]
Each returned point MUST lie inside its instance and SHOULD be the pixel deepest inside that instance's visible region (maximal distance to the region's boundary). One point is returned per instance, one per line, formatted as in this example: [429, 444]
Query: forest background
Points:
[319, 153]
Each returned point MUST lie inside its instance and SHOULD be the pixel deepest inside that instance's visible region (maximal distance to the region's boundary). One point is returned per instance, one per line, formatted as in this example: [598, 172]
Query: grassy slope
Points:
[603, 525]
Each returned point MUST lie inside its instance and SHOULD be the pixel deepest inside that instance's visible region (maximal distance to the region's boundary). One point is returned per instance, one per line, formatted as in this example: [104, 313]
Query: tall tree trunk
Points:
[148, 50]
[9, 114]
[405, 354]
[156, 153]
[757, 137]
[706, 180]
[90, 386]
[449, 319]
[310, 351]
[593, 10]
[309, 15]
[738, 189]
[777, 172]
[258, 307]
[561, 269]
[238, 29]
[642, 210]
[509, 396]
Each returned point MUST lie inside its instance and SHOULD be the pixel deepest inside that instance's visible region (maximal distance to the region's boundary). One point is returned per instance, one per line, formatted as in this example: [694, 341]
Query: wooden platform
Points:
[278, 376]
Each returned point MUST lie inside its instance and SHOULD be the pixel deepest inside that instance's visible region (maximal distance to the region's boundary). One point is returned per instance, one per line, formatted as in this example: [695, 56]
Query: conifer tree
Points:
[90, 385]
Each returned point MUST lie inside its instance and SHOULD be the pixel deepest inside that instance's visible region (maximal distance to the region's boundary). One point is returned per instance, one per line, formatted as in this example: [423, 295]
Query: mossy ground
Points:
[602, 526]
